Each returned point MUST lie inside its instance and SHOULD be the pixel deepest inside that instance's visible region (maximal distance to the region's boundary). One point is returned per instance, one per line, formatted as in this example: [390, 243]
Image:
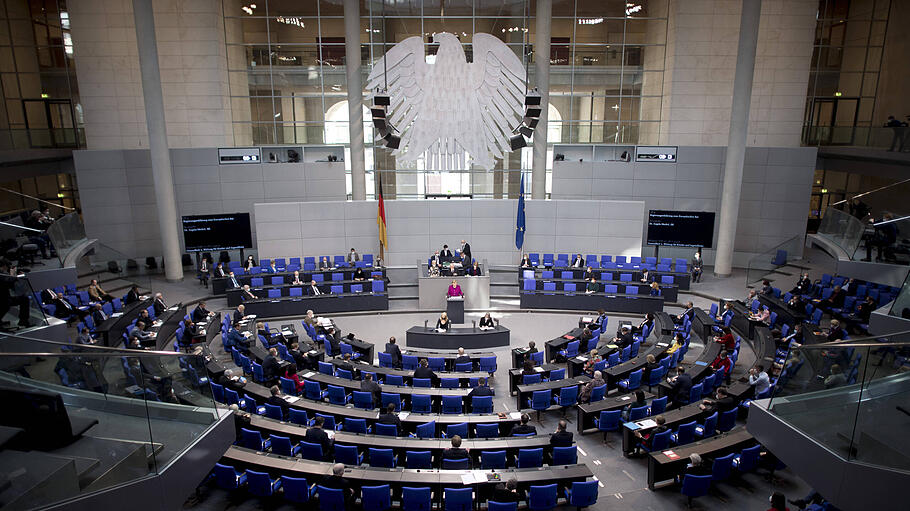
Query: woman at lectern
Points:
[454, 290]
[486, 321]
[443, 322]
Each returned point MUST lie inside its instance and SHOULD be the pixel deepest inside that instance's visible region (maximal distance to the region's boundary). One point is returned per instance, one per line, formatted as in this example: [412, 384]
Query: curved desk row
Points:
[680, 279]
[662, 467]
[235, 297]
[409, 422]
[616, 302]
[401, 444]
[669, 292]
[700, 369]
[222, 284]
[436, 480]
[323, 304]
[524, 392]
[784, 313]
[110, 329]
[587, 412]
[448, 357]
[457, 337]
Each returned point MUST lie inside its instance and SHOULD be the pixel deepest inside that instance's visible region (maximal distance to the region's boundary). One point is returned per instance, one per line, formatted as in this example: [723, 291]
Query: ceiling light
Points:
[590, 21]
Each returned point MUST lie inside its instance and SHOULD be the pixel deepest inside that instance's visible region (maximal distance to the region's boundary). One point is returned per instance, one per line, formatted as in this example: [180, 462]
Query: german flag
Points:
[380, 219]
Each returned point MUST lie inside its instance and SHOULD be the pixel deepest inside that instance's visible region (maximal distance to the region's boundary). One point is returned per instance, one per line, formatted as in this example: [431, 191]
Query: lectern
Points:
[455, 309]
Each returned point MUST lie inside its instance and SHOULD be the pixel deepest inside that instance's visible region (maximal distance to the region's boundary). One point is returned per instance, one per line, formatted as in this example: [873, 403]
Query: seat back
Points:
[487, 430]
[542, 497]
[695, 486]
[418, 459]
[658, 405]
[609, 420]
[568, 396]
[492, 459]
[390, 397]
[437, 363]
[482, 404]
[384, 458]
[451, 404]
[421, 403]
[686, 433]
[540, 399]
[565, 455]
[727, 420]
[363, 400]
[416, 499]
[529, 458]
[583, 493]
[295, 489]
[598, 393]
[460, 429]
[722, 467]
[386, 429]
[427, 430]
[638, 412]
[528, 379]
[298, 416]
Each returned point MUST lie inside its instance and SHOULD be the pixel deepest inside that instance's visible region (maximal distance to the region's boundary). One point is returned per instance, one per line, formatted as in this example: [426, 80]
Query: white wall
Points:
[774, 204]
[118, 196]
[417, 228]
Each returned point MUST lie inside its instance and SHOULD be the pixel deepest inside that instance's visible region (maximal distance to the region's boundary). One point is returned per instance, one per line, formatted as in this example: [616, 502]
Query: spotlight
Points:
[392, 142]
[517, 141]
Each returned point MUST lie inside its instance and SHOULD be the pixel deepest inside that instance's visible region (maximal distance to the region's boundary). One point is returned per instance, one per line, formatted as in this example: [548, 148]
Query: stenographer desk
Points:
[614, 302]
[457, 337]
[323, 304]
[221, 285]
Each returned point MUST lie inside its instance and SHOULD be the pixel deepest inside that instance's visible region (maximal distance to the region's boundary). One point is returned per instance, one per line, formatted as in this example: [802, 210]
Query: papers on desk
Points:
[330, 433]
[157, 323]
[625, 398]
[700, 363]
[613, 346]
[308, 374]
[291, 399]
[172, 308]
[582, 358]
[647, 423]
[485, 328]
[312, 352]
[587, 320]
[663, 344]
[538, 369]
[670, 454]
[116, 314]
[440, 330]
[403, 415]
[515, 415]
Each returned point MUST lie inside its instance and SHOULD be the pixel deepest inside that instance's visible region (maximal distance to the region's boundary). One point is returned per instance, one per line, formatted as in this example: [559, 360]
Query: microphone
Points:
[474, 322]
[425, 327]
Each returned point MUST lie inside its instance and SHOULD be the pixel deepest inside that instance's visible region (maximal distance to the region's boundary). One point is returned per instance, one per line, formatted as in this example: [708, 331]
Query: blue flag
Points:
[520, 220]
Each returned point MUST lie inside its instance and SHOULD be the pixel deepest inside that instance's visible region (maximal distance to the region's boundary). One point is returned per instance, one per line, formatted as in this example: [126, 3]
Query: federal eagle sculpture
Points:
[451, 107]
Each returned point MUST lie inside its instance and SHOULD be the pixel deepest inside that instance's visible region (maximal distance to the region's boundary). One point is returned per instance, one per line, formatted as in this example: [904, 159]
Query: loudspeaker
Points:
[526, 131]
[382, 100]
[531, 122]
[532, 99]
[379, 123]
[533, 112]
[392, 142]
[377, 112]
[517, 141]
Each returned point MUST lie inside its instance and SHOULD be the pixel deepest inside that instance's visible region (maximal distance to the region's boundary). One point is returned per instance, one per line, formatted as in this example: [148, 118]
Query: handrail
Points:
[20, 227]
[880, 188]
[65, 208]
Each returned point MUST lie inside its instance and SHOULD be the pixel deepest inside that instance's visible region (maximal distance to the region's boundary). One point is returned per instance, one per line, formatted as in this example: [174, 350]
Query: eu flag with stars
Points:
[520, 220]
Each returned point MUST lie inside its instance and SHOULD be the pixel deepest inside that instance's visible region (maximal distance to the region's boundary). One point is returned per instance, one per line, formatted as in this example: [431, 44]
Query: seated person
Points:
[655, 289]
[296, 279]
[246, 294]
[589, 274]
[803, 285]
[601, 319]
[678, 342]
[474, 270]
[723, 362]
[290, 372]
[835, 300]
[390, 417]
[650, 365]
[637, 403]
[219, 271]
[443, 322]
[392, 349]
[835, 332]
[523, 428]
[249, 264]
[486, 321]
[591, 287]
[588, 388]
[435, 259]
[699, 467]
[200, 313]
[751, 297]
[507, 492]
[313, 290]
[238, 340]
[272, 268]
[359, 275]
[336, 481]
[317, 435]
[450, 271]
[797, 303]
[232, 381]
[97, 294]
[324, 264]
[132, 295]
[727, 313]
[433, 270]
[98, 314]
[689, 312]
[240, 313]
[624, 338]
[645, 276]
[275, 399]
[722, 402]
[159, 304]
[482, 389]
[527, 367]
[234, 283]
[647, 437]
[561, 437]
[593, 359]
[525, 262]
[766, 288]
[727, 339]
[454, 290]
[423, 371]
[456, 452]
[836, 378]
[62, 308]
[578, 262]
[649, 321]
[763, 315]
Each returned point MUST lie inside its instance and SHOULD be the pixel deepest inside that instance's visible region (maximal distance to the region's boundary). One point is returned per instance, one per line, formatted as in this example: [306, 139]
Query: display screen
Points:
[228, 231]
[680, 228]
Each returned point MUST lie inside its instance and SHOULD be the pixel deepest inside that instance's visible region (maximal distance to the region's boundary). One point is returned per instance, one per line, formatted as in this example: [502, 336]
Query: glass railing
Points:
[850, 397]
[865, 136]
[66, 233]
[42, 138]
[25, 309]
[125, 414]
[760, 265]
[842, 229]
[900, 307]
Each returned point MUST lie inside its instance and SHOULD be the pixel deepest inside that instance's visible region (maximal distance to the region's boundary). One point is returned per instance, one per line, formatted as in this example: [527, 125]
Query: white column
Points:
[736, 144]
[542, 79]
[162, 173]
[355, 97]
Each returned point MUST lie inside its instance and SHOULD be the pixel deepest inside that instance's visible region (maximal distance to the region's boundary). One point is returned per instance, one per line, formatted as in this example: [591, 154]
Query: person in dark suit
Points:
[276, 400]
[680, 386]
[561, 437]
[237, 340]
[423, 371]
[313, 290]
[435, 258]
[601, 320]
[246, 294]
[466, 252]
[523, 428]
[204, 272]
[239, 313]
[98, 314]
[462, 358]
[62, 308]
[353, 257]
[578, 262]
[296, 279]
[317, 435]
[132, 296]
[250, 263]
[346, 363]
[334, 338]
[525, 261]
[336, 481]
[299, 357]
[624, 339]
[589, 274]
[486, 321]
[159, 304]
[688, 313]
[219, 271]
[234, 283]
[482, 389]
[648, 436]
[456, 452]
[271, 366]
[324, 264]
[229, 380]
[392, 349]
[390, 417]
[359, 275]
[200, 313]
[474, 270]
[445, 254]
[368, 385]
[507, 492]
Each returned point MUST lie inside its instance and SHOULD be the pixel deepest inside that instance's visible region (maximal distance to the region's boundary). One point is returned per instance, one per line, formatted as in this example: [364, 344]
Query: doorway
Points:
[50, 123]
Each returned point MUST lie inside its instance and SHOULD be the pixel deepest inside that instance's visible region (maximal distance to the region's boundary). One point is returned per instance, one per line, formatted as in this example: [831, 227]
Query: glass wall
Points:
[287, 76]
[844, 73]
[38, 77]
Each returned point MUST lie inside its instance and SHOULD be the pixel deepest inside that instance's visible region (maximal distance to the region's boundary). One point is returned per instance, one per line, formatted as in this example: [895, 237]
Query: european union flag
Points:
[520, 220]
